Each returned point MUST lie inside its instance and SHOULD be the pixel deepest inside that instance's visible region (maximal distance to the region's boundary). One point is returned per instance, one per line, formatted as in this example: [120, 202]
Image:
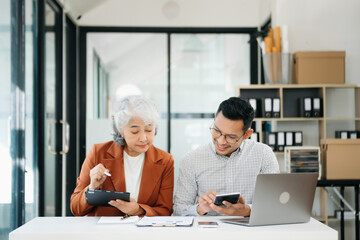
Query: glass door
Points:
[5, 118]
[51, 174]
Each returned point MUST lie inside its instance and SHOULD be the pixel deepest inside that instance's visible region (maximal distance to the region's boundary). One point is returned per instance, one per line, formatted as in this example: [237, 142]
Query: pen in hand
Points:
[107, 174]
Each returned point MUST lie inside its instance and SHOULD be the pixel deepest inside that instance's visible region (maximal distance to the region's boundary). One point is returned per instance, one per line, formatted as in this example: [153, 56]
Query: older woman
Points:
[135, 166]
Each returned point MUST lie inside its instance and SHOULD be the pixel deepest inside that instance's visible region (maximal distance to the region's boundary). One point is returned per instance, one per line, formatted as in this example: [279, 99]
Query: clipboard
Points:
[165, 222]
[102, 197]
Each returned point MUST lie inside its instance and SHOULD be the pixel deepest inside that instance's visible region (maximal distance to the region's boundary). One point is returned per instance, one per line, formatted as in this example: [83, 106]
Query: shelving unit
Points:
[341, 111]
[331, 94]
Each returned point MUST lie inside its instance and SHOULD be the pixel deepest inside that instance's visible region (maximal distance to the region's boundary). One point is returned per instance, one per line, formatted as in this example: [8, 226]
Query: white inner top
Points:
[133, 171]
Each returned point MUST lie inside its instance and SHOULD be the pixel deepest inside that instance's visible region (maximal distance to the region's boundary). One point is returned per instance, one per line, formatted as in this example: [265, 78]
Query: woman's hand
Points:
[97, 176]
[131, 208]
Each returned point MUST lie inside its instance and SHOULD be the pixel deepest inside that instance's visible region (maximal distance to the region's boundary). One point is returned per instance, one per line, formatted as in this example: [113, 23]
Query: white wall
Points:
[323, 25]
[313, 25]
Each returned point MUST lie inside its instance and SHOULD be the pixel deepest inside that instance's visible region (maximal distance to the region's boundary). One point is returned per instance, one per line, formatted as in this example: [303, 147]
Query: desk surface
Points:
[85, 228]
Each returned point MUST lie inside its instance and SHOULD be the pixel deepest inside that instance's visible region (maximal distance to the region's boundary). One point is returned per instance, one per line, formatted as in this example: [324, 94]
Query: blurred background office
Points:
[65, 63]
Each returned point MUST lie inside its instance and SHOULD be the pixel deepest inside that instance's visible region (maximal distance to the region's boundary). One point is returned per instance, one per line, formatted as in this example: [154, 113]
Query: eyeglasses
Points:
[216, 133]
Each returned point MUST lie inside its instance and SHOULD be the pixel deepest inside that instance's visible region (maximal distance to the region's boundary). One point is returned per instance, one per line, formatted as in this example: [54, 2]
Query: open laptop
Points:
[280, 199]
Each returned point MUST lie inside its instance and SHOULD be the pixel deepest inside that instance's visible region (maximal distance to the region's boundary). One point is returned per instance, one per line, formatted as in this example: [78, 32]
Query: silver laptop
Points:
[280, 199]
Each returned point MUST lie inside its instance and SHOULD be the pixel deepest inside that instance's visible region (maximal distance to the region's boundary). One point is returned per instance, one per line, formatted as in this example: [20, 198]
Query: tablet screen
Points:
[102, 197]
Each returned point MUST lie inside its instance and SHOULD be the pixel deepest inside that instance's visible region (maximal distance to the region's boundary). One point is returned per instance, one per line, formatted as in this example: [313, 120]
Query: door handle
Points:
[53, 122]
[66, 136]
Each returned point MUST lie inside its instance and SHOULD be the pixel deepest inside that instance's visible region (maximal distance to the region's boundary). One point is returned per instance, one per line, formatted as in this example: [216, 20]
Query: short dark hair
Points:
[236, 108]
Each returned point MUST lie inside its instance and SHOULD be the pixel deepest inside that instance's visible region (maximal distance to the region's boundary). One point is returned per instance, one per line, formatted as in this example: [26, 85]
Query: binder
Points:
[317, 107]
[270, 140]
[254, 103]
[289, 139]
[305, 107]
[341, 134]
[267, 107]
[276, 107]
[253, 126]
[298, 138]
[280, 141]
[353, 134]
[254, 136]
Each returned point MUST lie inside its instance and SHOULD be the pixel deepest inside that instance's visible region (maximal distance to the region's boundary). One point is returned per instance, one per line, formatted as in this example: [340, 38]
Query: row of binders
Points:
[270, 107]
[266, 107]
[279, 140]
[347, 134]
[310, 107]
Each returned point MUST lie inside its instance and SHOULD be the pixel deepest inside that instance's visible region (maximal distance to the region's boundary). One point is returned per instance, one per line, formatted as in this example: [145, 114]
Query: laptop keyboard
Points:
[241, 220]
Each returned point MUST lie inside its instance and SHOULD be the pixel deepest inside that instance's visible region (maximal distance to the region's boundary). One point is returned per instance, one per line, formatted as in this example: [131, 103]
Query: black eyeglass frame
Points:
[225, 135]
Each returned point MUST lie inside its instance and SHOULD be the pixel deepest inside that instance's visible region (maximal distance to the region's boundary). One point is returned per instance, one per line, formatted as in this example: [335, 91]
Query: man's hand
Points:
[131, 208]
[205, 201]
[236, 209]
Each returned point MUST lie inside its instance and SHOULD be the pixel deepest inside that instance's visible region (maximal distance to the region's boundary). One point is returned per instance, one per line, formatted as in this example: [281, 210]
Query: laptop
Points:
[280, 199]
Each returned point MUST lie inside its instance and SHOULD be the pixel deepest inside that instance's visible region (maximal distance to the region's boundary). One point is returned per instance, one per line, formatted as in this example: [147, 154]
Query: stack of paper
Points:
[118, 220]
[165, 222]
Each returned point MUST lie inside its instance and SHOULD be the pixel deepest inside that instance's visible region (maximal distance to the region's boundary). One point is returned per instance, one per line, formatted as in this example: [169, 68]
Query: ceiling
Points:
[77, 8]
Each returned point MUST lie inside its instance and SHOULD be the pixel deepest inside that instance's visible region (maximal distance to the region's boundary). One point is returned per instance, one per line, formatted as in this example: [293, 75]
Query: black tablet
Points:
[102, 197]
[229, 197]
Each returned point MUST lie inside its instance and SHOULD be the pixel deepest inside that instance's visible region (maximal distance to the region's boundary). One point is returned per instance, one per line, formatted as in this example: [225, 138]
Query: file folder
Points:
[305, 107]
[254, 136]
[280, 141]
[289, 139]
[253, 126]
[267, 107]
[353, 134]
[270, 140]
[317, 107]
[298, 138]
[255, 105]
[341, 134]
[276, 107]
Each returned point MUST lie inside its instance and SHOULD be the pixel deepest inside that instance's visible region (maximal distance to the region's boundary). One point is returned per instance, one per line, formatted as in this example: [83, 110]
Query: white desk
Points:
[85, 228]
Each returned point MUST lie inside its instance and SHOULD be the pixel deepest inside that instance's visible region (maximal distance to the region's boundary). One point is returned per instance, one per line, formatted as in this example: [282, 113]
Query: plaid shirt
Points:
[203, 170]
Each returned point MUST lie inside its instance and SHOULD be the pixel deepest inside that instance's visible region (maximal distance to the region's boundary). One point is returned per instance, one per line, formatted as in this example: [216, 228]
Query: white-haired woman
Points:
[135, 166]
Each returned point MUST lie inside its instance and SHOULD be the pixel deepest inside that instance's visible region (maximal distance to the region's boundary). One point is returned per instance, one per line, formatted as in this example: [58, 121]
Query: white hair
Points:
[135, 106]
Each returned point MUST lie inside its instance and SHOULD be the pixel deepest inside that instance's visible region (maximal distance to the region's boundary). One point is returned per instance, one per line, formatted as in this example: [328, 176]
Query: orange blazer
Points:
[156, 186]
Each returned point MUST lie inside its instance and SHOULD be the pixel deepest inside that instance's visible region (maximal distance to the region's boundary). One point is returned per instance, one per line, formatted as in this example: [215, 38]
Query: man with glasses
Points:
[230, 163]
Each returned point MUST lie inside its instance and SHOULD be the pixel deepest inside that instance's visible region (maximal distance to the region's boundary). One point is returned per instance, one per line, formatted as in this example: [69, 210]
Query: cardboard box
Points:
[319, 67]
[341, 158]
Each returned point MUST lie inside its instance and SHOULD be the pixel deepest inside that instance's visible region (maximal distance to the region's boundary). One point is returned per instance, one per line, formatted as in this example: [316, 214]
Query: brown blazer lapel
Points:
[151, 174]
[115, 164]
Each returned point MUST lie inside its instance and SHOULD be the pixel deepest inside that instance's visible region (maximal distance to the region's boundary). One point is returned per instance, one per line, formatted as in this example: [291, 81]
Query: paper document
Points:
[165, 222]
[118, 220]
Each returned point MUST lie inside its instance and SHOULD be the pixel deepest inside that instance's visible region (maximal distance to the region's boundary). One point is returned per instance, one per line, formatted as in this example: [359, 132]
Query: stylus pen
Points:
[107, 174]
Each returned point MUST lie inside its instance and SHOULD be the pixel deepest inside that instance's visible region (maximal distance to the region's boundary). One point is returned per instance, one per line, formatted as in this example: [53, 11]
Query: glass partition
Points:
[5, 118]
[30, 163]
[7, 217]
[121, 64]
[205, 70]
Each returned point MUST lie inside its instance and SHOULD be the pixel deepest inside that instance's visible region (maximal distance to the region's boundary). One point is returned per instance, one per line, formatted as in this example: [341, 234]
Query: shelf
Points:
[277, 86]
[290, 119]
[278, 153]
[343, 119]
[320, 219]
[334, 219]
